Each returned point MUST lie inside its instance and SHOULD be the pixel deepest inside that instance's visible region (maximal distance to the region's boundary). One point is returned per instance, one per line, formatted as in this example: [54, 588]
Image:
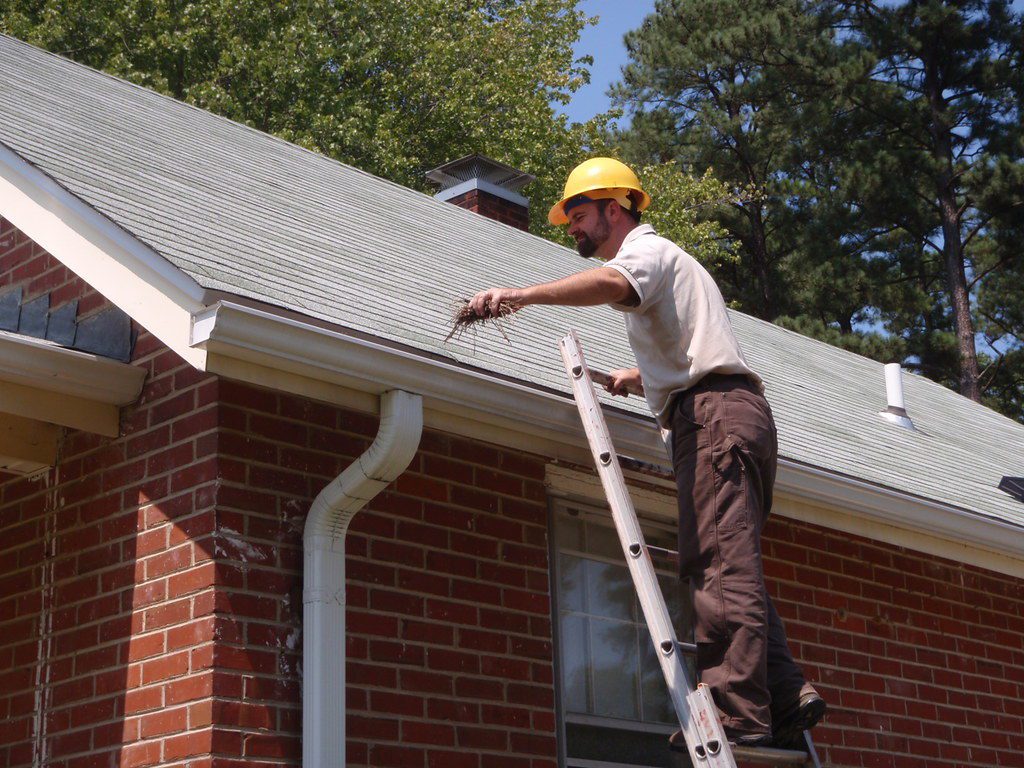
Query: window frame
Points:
[594, 510]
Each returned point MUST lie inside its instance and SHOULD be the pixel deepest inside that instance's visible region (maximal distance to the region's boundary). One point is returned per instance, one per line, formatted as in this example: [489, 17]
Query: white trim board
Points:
[948, 535]
[127, 272]
[245, 341]
[48, 383]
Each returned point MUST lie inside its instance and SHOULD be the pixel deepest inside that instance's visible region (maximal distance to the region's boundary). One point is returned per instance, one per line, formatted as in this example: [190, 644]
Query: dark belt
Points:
[716, 380]
[712, 381]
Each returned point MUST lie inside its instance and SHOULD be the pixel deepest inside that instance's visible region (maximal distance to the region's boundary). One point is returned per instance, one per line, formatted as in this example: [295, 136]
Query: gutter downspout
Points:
[323, 596]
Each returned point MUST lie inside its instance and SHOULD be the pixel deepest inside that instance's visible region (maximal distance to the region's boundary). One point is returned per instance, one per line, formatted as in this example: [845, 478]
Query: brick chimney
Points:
[485, 186]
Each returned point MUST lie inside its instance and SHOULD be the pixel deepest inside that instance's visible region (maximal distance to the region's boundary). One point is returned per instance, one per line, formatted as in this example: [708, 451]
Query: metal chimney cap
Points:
[480, 167]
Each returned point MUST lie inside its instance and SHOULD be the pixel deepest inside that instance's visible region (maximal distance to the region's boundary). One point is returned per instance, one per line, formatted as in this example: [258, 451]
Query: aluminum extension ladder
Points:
[695, 710]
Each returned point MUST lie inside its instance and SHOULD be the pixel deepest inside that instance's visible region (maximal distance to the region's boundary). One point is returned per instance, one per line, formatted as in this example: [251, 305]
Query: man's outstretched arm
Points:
[594, 286]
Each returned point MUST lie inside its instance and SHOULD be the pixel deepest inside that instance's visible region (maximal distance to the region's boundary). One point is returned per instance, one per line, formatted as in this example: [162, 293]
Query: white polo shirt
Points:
[680, 330]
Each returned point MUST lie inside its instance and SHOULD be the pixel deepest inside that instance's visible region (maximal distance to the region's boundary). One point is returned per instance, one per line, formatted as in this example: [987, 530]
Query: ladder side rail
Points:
[697, 716]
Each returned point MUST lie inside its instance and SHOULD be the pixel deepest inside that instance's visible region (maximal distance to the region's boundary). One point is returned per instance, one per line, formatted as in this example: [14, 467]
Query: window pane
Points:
[574, 663]
[609, 591]
[603, 541]
[569, 533]
[657, 707]
[677, 598]
[615, 669]
[610, 676]
[570, 583]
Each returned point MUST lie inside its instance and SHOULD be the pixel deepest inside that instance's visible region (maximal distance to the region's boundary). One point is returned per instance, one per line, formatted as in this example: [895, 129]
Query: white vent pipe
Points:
[896, 412]
[323, 595]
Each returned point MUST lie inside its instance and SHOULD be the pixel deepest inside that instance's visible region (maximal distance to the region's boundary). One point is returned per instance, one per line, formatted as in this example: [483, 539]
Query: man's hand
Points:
[487, 303]
[623, 380]
[602, 285]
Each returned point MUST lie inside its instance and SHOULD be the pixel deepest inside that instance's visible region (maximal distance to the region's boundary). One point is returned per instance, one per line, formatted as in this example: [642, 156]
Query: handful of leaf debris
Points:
[464, 318]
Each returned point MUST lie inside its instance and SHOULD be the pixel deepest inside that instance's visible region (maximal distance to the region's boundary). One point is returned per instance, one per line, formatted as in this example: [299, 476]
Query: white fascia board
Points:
[50, 367]
[127, 272]
[48, 383]
[231, 332]
[895, 508]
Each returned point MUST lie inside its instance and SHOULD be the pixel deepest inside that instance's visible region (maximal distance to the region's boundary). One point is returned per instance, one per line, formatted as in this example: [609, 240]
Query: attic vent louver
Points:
[896, 412]
[485, 186]
[1013, 486]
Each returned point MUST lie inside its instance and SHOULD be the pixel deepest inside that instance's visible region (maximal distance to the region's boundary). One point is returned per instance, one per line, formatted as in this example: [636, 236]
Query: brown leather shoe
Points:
[810, 708]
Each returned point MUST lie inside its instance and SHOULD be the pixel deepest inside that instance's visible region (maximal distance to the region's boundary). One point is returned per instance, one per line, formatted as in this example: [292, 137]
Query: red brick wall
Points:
[150, 601]
[921, 659]
[494, 207]
[107, 605]
[449, 631]
[448, 647]
[23, 263]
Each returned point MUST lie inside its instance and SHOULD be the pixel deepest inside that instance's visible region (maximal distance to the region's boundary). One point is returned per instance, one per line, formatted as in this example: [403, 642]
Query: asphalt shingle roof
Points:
[246, 213]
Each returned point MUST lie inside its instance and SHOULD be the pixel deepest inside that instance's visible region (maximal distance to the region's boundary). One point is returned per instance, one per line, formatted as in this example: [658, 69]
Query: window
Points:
[615, 708]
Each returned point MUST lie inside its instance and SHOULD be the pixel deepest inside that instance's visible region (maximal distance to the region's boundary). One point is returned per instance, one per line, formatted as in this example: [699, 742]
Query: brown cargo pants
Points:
[725, 451]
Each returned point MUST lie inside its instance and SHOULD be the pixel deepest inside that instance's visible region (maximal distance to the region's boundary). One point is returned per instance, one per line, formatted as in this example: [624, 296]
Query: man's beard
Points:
[588, 245]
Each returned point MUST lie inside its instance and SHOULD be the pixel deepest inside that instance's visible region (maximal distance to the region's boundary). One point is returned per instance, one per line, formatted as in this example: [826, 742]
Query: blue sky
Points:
[604, 43]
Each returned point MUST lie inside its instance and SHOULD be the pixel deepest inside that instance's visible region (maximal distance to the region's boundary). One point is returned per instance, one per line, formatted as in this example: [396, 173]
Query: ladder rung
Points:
[644, 467]
[668, 554]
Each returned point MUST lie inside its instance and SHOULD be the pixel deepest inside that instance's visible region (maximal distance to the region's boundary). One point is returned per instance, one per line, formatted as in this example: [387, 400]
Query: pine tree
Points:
[940, 154]
[710, 85]
[881, 145]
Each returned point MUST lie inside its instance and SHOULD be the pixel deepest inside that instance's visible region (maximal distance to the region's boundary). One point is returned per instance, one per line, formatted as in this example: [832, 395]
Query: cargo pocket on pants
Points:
[731, 508]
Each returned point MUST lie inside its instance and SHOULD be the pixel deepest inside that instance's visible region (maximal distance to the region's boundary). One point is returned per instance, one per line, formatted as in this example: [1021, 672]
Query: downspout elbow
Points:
[323, 643]
[398, 438]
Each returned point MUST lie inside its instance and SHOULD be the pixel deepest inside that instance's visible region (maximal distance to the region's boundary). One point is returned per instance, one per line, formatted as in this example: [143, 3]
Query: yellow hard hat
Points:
[596, 179]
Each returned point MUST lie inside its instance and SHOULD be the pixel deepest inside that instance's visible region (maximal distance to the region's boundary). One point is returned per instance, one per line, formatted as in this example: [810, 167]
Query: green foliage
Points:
[394, 87]
[680, 211]
[884, 147]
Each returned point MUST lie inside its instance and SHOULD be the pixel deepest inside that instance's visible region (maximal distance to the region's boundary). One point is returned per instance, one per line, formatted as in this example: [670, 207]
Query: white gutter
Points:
[898, 508]
[323, 597]
[46, 365]
[230, 332]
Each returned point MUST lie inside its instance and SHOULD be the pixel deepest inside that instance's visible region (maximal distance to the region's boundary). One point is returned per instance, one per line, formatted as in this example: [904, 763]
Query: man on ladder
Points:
[724, 446]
